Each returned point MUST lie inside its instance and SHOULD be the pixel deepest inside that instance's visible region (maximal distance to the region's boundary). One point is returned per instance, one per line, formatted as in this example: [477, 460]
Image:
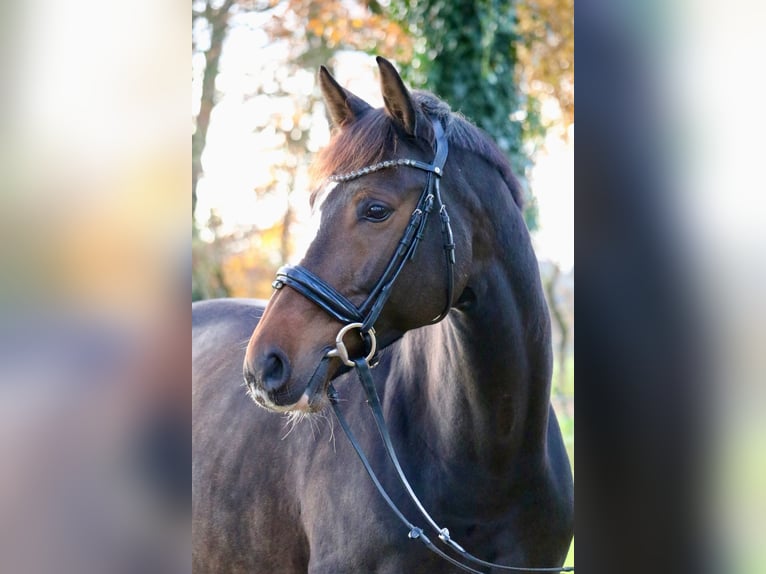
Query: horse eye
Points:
[377, 212]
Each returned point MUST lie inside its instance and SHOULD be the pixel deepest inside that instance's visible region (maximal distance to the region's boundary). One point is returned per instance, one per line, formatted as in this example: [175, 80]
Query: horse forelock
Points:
[355, 146]
[366, 141]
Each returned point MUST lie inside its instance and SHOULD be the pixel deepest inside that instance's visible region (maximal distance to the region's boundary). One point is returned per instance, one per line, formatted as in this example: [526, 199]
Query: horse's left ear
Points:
[396, 97]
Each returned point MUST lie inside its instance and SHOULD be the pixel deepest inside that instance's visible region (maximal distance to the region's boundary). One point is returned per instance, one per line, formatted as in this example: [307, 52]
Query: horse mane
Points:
[365, 141]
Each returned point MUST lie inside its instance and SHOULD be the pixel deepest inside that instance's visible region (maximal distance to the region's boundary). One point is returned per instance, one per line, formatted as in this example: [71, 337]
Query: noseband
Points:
[363, 318]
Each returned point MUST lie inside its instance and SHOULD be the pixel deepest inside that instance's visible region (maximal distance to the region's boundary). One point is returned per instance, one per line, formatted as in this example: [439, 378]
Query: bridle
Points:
[363, 317]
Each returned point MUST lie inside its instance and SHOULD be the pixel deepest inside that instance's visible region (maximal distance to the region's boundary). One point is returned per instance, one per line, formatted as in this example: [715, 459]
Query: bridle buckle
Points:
[340, 349]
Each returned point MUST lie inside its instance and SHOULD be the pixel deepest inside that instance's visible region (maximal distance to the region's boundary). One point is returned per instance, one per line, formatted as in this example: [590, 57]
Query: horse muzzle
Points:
[268, 378]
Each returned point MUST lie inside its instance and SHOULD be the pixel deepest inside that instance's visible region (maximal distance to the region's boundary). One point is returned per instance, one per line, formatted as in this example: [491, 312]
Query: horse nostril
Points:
[275, 369]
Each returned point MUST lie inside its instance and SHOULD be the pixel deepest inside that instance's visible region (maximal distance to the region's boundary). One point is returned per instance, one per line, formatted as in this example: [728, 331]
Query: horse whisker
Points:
[291, 421]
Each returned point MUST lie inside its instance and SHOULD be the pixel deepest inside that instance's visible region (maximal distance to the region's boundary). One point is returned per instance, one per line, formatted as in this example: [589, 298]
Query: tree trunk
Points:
[284, 240]
[218, 19]
[561, 322]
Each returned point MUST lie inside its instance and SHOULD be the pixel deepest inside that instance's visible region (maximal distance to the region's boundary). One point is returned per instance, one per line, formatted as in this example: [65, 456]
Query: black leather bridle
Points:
[363, 318]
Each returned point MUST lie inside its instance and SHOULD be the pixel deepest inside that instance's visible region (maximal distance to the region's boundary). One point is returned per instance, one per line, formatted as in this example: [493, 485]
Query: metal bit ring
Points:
[340, 349]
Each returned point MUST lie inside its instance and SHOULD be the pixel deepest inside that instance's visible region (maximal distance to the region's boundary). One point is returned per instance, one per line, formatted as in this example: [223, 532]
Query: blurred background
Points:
[95, 252]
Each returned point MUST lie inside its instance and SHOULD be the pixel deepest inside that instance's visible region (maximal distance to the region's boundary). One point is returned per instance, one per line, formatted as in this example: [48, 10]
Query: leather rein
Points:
[363, 318]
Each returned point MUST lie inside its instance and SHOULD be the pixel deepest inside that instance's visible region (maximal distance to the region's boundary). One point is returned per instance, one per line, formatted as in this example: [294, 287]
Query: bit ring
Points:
[340, 349]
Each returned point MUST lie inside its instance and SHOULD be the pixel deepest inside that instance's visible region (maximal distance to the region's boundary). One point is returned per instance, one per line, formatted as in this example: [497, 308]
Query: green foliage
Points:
[208, 280]
[466, 52]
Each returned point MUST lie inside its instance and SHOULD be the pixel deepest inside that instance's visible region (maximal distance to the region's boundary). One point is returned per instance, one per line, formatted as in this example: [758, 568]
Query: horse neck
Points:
[487, 366]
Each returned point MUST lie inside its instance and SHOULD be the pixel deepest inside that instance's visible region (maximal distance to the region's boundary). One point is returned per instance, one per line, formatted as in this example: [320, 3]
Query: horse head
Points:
[377, 188]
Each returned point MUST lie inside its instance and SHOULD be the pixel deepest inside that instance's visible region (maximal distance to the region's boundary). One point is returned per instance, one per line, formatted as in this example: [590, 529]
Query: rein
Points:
[415, 532]
[363, 318]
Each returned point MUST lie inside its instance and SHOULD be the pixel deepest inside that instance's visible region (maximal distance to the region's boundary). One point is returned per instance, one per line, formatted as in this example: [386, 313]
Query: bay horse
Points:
[462, 367]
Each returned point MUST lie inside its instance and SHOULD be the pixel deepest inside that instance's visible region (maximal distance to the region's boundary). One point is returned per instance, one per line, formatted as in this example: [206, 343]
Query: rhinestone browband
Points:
[340, 178]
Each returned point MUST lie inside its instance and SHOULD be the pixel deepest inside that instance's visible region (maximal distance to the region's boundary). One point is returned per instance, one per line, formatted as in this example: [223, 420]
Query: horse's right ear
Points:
[343, 107]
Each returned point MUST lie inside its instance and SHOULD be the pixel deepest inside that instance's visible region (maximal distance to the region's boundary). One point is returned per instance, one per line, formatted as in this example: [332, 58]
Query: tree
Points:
[211, 20]
[476, 54]
[466, 53]
[208, 278]
[546, 53]
[215, 21]
[318, 29]
[312, 31]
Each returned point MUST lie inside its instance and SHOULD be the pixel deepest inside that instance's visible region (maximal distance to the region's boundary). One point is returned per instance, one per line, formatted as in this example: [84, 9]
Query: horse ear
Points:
[342, 106]
[396, 97]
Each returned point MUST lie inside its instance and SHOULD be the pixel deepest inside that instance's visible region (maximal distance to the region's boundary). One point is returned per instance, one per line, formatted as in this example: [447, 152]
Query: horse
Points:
[458, 348]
